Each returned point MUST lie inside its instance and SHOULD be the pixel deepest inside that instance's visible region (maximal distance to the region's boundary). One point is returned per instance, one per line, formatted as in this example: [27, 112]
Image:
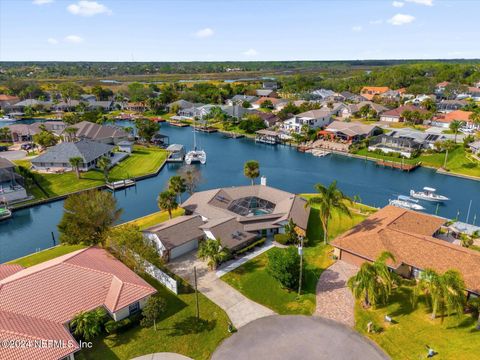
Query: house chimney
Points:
[263, 181]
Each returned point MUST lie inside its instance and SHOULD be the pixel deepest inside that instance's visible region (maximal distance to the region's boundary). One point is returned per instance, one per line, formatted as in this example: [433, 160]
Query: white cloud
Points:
[421, 2]
[376, 22]
[398, 4]
[250, 52]
[42, 2]
[204, 33]
[74, 39]
[401, 19]
[357, 28]
[52, 41]
[88, 8]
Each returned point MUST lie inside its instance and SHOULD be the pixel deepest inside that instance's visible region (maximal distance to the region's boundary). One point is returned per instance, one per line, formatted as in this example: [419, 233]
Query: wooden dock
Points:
[121, 184]
[178, 123]
[206, 129]
[397, 165]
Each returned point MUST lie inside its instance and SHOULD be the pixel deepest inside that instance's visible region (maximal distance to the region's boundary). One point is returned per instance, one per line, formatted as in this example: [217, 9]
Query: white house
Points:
[314, 119]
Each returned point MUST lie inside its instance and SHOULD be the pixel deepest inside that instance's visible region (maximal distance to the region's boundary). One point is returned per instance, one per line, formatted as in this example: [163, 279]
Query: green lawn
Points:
[458, 161]
[45, 255]
[155, 218]
[253, 280]
[177, 332]
[406, 340]
[142, 161]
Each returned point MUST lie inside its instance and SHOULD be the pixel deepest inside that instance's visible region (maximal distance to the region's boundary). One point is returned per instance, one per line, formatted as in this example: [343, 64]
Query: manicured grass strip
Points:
[45, 255]
[143, 161]
[253, 280]
[155, 218]
[177, 331]
[414, 329]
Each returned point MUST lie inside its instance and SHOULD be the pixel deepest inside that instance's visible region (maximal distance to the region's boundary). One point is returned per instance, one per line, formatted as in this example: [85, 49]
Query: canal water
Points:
[30, 229]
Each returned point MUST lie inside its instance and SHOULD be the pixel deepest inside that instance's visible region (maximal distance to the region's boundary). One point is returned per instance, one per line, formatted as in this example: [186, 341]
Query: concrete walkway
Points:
[233, 264]
[162, 356]
[240, 309]
[334, 300]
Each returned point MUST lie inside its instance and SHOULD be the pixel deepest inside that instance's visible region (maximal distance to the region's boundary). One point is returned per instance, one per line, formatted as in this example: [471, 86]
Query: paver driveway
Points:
[297, 337]
[334, 299]
[240, 309]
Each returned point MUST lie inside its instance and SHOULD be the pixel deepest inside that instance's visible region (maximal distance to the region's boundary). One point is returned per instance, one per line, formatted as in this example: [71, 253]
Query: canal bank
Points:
[286, 168]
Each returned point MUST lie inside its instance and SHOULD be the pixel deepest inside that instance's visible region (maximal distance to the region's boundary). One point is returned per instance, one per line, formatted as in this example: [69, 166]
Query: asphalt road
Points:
[297, 337]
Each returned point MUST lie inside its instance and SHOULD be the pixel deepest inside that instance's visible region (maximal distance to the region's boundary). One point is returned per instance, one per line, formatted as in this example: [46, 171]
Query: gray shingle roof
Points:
[94, 131]
[86, 149]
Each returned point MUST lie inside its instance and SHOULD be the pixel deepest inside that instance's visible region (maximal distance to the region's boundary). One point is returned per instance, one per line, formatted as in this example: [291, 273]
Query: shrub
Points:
[281, 238]
[251, 246]
[114, 327]
[283, 265]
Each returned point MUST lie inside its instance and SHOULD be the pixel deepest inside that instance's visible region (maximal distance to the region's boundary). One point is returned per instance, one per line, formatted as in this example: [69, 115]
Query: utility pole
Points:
[196, 292]
[300, 252]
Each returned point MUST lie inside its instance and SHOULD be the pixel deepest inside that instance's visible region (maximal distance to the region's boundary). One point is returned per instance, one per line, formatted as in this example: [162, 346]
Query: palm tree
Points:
[177, 184]
[455, 125]
[104, 164]
[330, 199]
[251, 169]
[445, 292]
[76, 162]
[374, 281]
[475, 117]
[71, 133]
[167, 202]
[88, 324]
[211, 251]
[474, 305]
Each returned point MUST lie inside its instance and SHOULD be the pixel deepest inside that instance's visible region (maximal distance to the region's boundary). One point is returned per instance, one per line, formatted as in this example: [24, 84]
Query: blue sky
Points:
[161, 30]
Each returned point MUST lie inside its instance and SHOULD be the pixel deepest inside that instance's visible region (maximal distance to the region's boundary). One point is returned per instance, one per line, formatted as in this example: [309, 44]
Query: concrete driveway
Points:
[297, 337]
[334, 300]
[13, 154]
[163, 356]
[240, 309]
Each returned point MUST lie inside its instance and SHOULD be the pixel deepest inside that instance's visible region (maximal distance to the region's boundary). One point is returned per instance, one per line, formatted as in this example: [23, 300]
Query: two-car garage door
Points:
[183, 249]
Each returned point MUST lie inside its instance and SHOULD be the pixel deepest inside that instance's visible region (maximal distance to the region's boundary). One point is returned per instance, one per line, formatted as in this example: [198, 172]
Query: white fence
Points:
[163, 278]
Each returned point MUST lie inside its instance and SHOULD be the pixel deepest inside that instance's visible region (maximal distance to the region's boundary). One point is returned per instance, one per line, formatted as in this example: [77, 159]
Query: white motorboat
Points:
[406, 202]
[428, 194]
[5, 212]
[6, 118]
[195, 156]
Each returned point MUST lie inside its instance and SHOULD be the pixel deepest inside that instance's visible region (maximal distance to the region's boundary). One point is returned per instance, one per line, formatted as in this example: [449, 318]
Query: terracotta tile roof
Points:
[8, 269]
[459, 115]
[408, 236]
[4, 97]
[39, 300]
[370, 91]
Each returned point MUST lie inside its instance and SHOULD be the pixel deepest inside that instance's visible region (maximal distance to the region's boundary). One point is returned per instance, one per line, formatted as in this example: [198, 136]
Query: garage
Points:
[176, 237]
[183, 249]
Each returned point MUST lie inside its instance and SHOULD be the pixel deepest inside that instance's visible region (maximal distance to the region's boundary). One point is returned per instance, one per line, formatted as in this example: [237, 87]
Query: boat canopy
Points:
[426, 188]
[405, 198]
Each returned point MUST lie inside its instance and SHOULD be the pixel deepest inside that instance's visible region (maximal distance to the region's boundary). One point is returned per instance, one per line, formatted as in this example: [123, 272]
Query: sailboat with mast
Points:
[195, 156]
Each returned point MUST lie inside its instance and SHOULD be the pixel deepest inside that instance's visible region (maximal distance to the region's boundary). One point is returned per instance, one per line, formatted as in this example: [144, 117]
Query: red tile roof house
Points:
[395, 115]
[444, 120]
[368, 92]
[410, 237]
[38, 303]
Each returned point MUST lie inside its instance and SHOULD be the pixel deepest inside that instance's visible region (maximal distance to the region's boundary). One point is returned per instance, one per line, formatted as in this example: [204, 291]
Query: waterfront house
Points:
[21, 105]
[125, 146]
[396, 115]
[444, 120]
[180, 104]
[136, 107]
[236, 216]
[107, 134]
[240, 99]
[269, 119]
[57, 157]
[350, 132]
[404, 141]
[25, 132]
[39, 302]
[11, 183]
[369, 92]
[411, 237]
[7, 101]
[313, 118]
